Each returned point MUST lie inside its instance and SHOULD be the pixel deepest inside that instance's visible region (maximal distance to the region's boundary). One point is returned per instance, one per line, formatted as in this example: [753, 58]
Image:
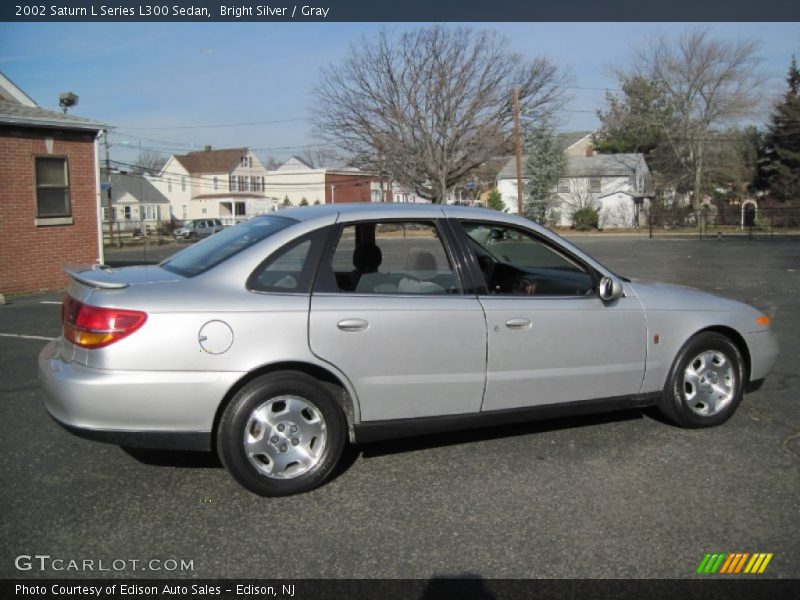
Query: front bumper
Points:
[763, 349]
[151, 409]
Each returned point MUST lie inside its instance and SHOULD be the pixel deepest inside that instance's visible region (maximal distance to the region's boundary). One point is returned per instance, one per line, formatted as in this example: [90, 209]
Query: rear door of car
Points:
[550, 337]
[401, 322]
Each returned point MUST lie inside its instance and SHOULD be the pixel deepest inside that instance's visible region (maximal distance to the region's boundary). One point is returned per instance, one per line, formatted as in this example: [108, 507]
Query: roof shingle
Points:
[14, 113]
[211, 161]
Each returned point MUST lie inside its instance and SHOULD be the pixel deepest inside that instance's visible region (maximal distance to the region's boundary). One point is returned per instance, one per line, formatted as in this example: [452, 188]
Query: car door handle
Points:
[519, 324]
[352, 324]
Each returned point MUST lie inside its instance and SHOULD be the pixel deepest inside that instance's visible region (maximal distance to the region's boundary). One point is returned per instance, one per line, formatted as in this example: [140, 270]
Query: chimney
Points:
[207, 148]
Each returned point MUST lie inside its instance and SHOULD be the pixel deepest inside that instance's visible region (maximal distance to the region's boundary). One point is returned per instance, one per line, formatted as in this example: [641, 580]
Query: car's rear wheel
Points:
[706, 382]
[281, 434]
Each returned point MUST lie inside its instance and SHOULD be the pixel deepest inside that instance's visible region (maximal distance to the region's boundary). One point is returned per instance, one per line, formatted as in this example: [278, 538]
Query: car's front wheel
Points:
[281, 434]
[705, 385]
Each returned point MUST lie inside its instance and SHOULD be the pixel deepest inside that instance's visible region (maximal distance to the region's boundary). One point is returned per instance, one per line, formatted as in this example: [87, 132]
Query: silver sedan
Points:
[277, 341]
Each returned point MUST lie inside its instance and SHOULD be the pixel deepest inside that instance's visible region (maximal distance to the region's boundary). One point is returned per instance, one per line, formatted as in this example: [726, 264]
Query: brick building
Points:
[49, 197]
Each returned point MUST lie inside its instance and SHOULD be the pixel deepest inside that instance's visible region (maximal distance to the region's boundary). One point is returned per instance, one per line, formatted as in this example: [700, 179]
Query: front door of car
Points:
[390, 312]
[550, 337]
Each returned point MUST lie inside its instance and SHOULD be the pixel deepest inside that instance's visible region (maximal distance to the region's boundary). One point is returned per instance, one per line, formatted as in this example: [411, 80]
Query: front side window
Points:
[595, 185]
[563, 186]
[516, 262]
[183, 184]
[216, 183]
[52, 188]
[396, 257]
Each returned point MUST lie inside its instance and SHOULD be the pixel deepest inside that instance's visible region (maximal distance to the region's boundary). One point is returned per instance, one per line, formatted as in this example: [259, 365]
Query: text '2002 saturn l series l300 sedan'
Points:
[277, 341]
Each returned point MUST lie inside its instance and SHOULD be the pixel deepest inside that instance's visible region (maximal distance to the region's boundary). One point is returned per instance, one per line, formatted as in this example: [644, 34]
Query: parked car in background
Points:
[278, 340]
[198, 228]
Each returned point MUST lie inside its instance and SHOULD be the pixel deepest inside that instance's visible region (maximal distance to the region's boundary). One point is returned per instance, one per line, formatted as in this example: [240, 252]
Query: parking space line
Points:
[26, 337]
[51, 302]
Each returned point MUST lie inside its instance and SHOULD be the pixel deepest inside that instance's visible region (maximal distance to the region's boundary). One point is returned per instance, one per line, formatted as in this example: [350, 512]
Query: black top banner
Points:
[403, 10]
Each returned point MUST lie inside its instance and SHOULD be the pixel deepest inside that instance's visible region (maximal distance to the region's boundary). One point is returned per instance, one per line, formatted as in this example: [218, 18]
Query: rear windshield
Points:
[218, 248]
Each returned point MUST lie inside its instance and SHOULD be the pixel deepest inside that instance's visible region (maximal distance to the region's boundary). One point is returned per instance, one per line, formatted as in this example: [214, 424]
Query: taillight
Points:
[95, 326]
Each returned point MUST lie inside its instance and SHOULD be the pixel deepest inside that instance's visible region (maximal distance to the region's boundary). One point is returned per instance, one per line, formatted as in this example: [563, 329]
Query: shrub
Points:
[585, 219]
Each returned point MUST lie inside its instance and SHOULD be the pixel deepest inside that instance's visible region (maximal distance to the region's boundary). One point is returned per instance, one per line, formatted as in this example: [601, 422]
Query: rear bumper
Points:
[148, 409]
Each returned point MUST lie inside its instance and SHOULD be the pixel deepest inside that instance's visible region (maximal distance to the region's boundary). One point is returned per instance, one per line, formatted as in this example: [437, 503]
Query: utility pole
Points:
[108, 190]
[518, 145]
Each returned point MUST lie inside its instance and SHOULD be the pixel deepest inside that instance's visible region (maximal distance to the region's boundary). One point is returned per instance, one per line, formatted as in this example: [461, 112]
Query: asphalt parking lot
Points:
[620, 495]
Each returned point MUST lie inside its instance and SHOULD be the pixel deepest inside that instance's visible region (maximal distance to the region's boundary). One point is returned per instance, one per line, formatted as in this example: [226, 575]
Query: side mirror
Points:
[609, 289]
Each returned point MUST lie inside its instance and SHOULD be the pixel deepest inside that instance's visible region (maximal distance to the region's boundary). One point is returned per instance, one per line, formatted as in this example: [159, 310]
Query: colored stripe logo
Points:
[735, 563]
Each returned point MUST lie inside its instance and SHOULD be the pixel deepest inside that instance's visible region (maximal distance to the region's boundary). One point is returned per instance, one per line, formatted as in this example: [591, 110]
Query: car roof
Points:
[386, 210]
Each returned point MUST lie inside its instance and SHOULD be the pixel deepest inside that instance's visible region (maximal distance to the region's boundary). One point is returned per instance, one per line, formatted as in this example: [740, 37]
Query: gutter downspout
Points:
[99, 195]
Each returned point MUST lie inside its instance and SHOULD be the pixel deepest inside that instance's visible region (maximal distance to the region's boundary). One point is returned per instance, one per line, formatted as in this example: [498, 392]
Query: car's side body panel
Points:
[411, 356]
[675, 314]
[569, 349]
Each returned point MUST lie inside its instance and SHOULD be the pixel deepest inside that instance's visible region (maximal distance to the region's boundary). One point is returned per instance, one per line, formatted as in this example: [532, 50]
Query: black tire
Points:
[239, 415]
[677, 407]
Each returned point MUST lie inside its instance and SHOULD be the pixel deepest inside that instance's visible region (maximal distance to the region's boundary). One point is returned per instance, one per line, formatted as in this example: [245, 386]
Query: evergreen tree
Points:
[546, 162]
[635, 119]
[495, 201]
[783, 142]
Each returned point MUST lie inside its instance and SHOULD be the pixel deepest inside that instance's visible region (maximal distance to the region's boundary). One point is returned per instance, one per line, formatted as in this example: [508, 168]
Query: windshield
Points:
[218, 248]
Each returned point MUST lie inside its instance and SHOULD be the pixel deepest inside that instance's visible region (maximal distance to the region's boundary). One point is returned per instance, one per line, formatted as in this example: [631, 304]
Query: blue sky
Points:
[148, 79]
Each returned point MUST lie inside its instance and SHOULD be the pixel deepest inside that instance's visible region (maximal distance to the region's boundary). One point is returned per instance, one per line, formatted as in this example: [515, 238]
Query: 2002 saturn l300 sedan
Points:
[279, 339]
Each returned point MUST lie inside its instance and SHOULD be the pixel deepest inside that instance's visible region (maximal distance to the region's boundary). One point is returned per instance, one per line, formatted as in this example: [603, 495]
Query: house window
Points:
[183, 212]
[169, 186]
[232, 183]
[204, 211]
[263, 187]
[183, 184]
[595, 184]
[244, 185]
[150, 212]
[245, 161]
[52, 188]
[127, 213]
[105, 214]
[216, 183]
[254, 183]
[563, 186]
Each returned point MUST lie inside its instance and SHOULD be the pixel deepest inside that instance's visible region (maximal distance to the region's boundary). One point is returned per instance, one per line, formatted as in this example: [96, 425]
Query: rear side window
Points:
[393, 257]
[201, 257]
[291, 268]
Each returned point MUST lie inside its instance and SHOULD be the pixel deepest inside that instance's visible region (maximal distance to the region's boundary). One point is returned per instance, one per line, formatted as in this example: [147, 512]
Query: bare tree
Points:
[320, 157]
[149, 162]
[429, 106]
[709, 84]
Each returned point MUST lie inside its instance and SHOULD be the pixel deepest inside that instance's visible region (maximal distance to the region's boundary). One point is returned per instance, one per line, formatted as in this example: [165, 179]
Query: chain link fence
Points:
[136, 231]
[715, 221]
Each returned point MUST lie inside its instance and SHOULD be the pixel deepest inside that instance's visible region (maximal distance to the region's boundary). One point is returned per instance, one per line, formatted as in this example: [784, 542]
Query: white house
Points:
[137, 203]
[296, 181]
[616, 185]
[227, 184]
